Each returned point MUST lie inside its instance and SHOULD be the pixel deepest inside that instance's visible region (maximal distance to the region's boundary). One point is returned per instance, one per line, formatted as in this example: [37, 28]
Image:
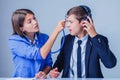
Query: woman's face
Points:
[75, 27]
[30, 24]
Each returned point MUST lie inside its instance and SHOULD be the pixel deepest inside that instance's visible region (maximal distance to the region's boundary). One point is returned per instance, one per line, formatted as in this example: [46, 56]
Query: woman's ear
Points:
[21, 28]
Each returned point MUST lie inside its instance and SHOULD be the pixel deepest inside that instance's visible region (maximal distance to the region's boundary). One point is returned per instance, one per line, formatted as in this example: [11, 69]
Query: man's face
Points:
[75, 27]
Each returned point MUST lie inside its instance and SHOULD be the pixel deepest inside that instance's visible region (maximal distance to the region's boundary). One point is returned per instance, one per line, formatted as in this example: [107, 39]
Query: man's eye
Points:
[34, 18]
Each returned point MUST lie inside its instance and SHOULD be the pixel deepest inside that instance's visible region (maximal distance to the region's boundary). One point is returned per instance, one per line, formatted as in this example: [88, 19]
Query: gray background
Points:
[49, 12]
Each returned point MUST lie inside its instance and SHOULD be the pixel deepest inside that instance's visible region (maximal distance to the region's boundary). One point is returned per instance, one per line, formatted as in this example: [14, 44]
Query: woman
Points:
[29, 47]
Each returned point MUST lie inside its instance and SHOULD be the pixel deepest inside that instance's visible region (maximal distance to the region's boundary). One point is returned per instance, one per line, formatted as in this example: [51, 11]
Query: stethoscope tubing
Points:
[53, 52]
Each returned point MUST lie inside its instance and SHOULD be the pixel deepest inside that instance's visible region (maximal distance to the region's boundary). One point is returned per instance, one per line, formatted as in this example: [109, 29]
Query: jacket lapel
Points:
[87, 55]
[69, 51]
[70, 48]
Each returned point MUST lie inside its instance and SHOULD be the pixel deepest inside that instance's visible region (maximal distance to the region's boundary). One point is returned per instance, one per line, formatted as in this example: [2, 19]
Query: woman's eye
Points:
[29, 21]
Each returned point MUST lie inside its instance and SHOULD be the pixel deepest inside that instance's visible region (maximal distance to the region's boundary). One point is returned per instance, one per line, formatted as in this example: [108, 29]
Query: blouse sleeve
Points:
[21, 48]
[49, 61]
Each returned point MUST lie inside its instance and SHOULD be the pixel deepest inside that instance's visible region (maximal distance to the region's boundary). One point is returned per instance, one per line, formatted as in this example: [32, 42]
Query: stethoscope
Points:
[61, 44]
[63, 38]
[85, 18]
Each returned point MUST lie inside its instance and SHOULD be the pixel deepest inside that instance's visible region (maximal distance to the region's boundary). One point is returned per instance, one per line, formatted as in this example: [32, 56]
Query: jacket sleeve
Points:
[59, 63]
[100, 44]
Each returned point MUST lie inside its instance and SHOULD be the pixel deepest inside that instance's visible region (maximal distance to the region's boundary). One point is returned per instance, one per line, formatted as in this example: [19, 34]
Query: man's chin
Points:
[72, 34]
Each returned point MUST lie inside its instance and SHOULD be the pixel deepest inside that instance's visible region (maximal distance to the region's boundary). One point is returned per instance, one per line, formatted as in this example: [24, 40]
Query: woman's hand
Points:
[60, 25]
[40, 75]
[48, 45]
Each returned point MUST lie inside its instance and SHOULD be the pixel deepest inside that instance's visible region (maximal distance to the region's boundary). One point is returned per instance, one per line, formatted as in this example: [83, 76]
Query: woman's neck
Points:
[30, 36]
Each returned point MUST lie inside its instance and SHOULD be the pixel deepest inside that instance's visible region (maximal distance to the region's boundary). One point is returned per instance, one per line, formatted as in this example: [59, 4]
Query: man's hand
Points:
[90, 27]
[54, 73]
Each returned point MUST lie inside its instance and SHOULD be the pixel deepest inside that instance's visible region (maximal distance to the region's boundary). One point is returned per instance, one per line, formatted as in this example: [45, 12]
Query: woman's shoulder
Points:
[15, 36]
[43, 36]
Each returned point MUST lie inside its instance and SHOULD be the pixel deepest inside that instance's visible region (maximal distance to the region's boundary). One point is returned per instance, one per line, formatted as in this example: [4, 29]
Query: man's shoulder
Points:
[100, 36]
[69, 36]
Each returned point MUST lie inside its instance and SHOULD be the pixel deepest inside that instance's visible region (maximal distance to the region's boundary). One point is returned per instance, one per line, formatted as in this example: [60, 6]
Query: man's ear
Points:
[82, 22]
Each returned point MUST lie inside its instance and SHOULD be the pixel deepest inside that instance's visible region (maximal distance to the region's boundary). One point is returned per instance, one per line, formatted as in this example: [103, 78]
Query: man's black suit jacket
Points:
[97, 49]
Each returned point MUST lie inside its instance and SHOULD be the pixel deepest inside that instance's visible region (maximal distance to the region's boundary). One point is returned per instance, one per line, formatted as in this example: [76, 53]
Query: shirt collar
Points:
[85, 38]
[35, 38]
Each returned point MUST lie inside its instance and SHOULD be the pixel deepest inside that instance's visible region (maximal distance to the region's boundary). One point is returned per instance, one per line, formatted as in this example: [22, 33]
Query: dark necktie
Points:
[79, 59]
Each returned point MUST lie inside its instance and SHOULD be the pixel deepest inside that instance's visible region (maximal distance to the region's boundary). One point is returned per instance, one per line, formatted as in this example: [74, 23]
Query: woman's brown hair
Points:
[18, 18]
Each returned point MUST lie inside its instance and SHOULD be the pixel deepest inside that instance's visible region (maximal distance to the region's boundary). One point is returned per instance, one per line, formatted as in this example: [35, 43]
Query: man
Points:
[82, 60]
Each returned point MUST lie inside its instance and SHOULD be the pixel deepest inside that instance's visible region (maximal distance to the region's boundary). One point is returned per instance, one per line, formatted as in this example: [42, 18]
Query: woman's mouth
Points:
[36, 27]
